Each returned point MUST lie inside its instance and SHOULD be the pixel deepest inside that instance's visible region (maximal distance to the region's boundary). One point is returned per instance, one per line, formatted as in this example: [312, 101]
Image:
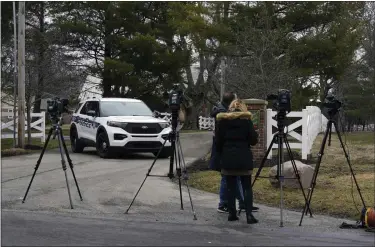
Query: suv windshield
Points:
[120, 108]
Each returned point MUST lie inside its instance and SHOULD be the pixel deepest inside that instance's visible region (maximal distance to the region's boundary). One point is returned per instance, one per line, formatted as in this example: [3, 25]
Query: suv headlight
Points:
[117, 124]
[164, 125]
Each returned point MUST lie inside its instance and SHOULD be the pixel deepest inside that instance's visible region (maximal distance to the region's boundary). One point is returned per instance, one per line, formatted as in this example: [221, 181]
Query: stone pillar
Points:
[258, 108]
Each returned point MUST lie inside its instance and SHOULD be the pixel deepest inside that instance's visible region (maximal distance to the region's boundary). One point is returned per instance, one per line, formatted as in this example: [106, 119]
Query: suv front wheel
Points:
[102, 145]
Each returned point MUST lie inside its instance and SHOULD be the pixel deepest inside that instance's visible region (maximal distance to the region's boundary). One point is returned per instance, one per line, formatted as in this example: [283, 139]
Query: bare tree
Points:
[259, 63]
[369, 41]
[50, 69]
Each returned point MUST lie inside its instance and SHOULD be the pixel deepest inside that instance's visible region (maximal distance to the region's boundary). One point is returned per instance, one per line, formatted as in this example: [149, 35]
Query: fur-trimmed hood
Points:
[233, 115]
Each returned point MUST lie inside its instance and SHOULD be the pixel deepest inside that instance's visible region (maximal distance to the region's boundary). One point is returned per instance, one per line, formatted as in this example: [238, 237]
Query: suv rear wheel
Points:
[76, 145]
[102, 145]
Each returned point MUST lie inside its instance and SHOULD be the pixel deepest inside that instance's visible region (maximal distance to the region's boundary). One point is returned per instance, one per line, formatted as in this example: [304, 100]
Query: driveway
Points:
[155, 218]
[107, 185]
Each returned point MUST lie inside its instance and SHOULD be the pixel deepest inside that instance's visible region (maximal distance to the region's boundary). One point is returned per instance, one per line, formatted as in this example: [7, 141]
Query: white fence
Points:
[38, 127]
[205, 123]
[324, 125]
[166, 116]
[310, 119]
[367, 127]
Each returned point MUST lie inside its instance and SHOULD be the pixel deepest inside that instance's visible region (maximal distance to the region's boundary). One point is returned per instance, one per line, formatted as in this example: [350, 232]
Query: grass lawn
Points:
[335, 193]
[8, 150]
[194, 131]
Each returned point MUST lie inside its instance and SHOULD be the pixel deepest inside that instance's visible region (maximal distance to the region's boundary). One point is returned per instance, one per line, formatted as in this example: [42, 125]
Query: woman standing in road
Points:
[235, 134]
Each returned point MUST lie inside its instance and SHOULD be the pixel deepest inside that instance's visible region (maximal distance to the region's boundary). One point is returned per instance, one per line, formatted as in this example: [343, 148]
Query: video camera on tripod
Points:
[332, 104]
[175, 99]
[281, 101]
[56, 107]
[282, 104]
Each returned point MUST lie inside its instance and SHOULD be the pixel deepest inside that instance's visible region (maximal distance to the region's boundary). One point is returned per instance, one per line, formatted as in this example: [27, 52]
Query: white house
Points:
[91, 88]
[6, 107]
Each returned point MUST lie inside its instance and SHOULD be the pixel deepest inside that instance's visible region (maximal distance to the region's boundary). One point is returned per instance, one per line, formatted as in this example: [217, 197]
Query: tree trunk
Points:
[191, 122]
[40, 63]
[107, 82]
[28, 112]
[192, 114]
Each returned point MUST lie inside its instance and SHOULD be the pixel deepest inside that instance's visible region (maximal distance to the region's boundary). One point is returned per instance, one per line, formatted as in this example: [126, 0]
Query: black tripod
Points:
[178, 155]
[57, 131]
[281, 138]
[328, 132]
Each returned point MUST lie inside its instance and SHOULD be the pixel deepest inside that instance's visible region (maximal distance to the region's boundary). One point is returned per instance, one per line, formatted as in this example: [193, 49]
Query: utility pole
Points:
[21, 74]
[14, 74]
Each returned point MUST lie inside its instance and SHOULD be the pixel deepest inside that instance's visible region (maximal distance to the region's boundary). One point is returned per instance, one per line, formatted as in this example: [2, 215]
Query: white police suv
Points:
[118, 124]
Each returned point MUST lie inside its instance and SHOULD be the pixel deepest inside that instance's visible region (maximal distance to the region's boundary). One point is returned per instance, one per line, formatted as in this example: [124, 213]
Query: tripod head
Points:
[332, 104]
[282, 104]
[56, 124]
[280, 118]
[56, 121]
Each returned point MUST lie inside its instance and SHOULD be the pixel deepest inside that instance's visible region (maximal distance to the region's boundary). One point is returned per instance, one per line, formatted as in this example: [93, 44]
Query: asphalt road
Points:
[31, 229]
[155, 218]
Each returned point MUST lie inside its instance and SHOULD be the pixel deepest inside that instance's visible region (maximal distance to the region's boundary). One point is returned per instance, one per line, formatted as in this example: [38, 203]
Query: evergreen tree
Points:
[129, 43]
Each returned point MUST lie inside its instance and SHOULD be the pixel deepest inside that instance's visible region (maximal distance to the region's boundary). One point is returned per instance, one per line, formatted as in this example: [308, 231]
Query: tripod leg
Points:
[178, 170]
[186, 177]
[280, 175]
[148, 173]
[64, 166]
[179, 147]
[296, 171]
[264, 160]
[171, 160]
[38, 163]
[316, 171]
[70, 163]
[350, 166]
[330, 134]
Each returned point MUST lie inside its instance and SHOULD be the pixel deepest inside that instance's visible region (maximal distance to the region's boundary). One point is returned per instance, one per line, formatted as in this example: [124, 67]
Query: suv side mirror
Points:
[91, 113]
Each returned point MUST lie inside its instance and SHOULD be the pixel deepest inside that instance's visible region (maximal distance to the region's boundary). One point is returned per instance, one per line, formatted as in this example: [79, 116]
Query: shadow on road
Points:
[122, 155]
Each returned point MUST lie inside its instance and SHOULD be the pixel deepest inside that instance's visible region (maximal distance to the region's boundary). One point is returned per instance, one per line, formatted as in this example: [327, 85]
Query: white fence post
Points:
[320, 121]
[305, 133]
[269, 130]
[43, 125]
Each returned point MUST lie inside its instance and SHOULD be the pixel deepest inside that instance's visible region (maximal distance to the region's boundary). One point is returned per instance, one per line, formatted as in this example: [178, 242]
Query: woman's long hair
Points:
[238, 106]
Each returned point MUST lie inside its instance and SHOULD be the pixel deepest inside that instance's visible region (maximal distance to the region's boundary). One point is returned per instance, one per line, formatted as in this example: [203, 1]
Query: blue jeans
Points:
[223, 192]
[213, 165]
